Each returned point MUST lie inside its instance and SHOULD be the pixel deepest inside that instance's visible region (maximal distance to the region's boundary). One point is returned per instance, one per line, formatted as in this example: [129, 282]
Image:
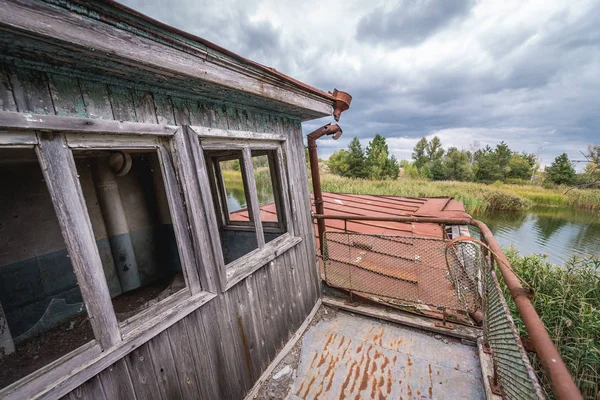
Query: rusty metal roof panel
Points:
[376, 206]
[390, 206]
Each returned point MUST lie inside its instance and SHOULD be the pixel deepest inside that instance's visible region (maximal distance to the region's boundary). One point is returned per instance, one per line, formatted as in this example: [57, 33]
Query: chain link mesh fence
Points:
[514, 373]
[406, 268]
[434, 274]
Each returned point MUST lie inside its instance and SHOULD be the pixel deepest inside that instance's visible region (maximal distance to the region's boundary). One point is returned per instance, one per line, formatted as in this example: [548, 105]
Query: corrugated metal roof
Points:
[390, 206]
[377, 206]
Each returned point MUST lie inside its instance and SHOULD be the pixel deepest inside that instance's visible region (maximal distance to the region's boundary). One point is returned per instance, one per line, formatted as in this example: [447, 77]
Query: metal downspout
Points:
[328, 129]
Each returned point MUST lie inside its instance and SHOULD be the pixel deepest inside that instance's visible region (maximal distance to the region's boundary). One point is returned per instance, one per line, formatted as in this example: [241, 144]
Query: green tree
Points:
[409, 169]
[419, 155]
[338, 163]
[561, 171]
[377, 154]
[457, 165]
[521, 166]
[379, 164]
[486, 168]
[392, 168]
[356, 159]
[434, 150]
[503, 154]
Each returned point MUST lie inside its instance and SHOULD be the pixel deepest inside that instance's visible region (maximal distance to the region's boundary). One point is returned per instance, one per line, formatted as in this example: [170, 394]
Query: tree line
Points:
[488, 164]
[499, 163]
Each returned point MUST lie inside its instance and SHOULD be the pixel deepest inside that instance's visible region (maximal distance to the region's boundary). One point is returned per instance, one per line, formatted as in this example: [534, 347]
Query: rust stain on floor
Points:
[354, 357]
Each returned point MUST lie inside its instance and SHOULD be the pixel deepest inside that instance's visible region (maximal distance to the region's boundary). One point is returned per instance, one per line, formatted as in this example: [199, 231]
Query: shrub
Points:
[499, 200]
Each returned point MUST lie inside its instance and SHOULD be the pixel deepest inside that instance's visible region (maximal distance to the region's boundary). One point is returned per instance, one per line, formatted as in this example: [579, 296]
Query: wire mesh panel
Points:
[407, 268]
[515, 375]
[451, 275]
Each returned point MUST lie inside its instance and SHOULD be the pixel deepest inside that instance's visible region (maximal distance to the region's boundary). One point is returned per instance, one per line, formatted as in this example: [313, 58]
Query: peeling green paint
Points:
[69, 95]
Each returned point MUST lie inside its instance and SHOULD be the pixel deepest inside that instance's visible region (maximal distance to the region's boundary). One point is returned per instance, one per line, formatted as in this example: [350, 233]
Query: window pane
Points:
[42, 315]
[127, 203]
[234, 190]
[265, 178]
[236, 227]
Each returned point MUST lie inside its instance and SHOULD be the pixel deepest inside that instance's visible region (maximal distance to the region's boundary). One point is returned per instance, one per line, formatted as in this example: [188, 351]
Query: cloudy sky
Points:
[526, 72]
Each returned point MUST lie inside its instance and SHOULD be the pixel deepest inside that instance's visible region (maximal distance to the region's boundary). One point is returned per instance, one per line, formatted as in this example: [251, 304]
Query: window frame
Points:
[213, 140]
[54, 146]
[160, 147]
[218, 190]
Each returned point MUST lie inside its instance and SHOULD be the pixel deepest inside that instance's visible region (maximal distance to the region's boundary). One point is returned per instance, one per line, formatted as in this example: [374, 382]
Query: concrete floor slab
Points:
[355, 357]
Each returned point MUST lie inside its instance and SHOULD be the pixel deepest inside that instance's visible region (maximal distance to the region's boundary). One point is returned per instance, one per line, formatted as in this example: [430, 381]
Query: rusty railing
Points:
[499, 329]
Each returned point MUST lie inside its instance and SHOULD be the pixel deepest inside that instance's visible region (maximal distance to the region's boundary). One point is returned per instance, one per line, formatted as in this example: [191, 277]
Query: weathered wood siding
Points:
[219, 350]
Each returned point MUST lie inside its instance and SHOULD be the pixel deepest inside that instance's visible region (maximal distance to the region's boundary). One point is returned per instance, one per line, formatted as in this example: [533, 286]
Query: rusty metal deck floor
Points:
[356, 357]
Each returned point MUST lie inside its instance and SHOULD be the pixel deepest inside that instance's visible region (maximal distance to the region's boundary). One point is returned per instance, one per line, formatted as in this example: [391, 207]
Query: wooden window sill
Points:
[247, 265]
[70, 371]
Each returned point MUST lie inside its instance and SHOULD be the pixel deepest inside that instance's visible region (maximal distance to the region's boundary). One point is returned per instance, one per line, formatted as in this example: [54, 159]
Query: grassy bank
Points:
[476, 197]
[567, 300]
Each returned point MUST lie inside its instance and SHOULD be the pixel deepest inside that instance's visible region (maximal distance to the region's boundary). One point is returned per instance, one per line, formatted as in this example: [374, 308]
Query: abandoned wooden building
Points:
[157, 236]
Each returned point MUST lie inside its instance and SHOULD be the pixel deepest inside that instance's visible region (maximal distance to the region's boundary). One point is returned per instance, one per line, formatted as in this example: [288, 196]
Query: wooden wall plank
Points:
[123, 106]
[246, 320]
[31, 92]
[301, 206]
[213, 319]
[116, 382]
[181, 111]
[164, 367]
[97, 103]
[204, 359]
[90, 390]
[187, 373]
[264, 298]
[66, 96]
[198, 114]
[219, 114]
[142, 372]
[7, 98]
[164, 109]
[234, 119]
[258, 322]
[235, 339]
[144, 107]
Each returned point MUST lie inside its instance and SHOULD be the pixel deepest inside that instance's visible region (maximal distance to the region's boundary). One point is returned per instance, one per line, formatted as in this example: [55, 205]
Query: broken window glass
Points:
[127, 203]
[42, 314]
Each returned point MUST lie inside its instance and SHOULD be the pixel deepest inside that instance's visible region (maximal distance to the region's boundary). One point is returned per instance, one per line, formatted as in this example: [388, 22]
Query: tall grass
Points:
[567, 300]
[476, 197]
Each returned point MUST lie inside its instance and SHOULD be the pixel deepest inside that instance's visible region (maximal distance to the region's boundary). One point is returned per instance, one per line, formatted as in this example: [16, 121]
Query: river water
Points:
[556, 232]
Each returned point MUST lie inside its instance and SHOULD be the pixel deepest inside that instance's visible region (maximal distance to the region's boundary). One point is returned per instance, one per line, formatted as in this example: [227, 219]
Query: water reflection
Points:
[557, 232]
[234, 188]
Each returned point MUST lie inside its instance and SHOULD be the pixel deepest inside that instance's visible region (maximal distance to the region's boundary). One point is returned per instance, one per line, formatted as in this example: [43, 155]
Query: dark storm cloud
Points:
[527, 73]
[410, 22]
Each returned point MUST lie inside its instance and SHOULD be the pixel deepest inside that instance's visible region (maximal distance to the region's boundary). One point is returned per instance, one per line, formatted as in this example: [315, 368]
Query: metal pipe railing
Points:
[562, 383]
